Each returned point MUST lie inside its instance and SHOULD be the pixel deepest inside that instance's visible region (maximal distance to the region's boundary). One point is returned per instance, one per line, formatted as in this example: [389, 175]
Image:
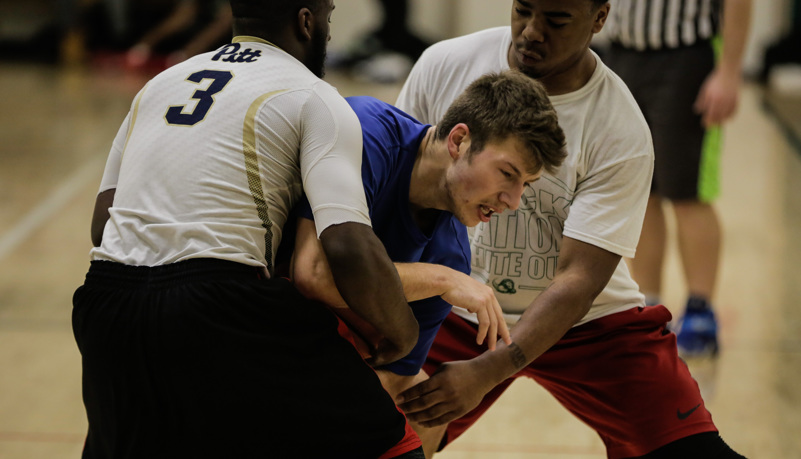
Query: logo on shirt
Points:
[232, 53]
[518, 251]
[504, 286]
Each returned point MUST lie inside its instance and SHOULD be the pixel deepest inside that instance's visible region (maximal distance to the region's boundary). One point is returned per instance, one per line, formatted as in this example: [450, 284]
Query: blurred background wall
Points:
[439, 19]
[41, 21]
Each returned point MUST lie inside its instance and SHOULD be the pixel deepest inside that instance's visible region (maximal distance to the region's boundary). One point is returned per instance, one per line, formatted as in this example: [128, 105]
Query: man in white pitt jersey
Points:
[191, 345]
[580, 328]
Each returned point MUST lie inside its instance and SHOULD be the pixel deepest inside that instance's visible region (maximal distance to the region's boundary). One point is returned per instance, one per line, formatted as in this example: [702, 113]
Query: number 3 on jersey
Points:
[205, 98]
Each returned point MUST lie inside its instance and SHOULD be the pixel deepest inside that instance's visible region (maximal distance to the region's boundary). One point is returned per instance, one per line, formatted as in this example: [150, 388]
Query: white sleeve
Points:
[111, 173]
[609, 206]
[331, 160]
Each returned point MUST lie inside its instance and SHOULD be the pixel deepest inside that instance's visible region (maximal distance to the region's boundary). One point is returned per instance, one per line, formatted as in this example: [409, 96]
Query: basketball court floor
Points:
[55, 130]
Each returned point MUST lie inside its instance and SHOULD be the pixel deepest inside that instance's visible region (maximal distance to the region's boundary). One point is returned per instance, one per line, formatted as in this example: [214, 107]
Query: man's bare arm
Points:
[312, 277]
[369, 284]
[457, 387]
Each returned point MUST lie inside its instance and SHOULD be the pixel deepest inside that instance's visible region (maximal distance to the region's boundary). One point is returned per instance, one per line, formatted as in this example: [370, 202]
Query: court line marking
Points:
[56, 199]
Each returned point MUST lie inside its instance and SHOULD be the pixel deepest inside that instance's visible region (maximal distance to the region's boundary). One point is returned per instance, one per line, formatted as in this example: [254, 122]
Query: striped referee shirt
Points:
[658, 24]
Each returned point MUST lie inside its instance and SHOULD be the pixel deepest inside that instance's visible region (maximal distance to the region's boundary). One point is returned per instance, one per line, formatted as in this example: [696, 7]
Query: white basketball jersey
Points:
[215, 152]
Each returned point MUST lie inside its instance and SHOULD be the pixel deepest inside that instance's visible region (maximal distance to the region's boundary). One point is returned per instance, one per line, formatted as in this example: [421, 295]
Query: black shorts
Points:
[665, 84]
[203, 359]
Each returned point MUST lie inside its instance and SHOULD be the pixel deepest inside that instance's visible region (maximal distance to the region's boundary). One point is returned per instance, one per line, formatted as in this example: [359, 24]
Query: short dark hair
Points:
[498, 106]
[253, 17]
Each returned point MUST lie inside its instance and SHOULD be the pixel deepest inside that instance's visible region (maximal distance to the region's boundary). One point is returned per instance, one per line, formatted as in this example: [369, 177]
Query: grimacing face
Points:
[549, 37]
[489, 181]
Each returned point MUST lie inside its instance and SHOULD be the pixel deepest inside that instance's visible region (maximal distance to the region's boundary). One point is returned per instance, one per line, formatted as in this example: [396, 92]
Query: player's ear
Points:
[305, 22]
[459, 140]
[600, 18]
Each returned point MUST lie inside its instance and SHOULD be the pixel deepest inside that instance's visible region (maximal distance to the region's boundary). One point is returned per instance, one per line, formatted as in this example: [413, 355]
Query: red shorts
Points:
[620, 374]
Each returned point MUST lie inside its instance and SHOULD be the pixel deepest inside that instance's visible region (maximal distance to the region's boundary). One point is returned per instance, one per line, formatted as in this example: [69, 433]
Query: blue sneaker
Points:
[698, 330]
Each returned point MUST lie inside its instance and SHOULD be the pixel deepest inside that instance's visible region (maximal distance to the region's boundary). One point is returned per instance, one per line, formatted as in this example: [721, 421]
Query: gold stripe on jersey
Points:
[254, 178]
[133, 121]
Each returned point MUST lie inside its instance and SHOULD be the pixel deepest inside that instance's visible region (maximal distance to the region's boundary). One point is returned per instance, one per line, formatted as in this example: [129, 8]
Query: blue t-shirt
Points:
[391, 141]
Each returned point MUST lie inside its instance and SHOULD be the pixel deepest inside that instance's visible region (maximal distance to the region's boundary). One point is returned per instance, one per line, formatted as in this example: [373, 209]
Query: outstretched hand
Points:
[479, 298]
[451, 392]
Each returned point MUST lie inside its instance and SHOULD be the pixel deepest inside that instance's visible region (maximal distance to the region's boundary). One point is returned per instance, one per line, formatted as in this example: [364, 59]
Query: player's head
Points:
[502, 132]
[551, 37]
[299, 27]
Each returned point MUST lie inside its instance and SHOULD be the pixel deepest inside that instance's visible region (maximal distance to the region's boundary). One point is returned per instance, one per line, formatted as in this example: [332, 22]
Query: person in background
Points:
[193, 27]
[386, 53]
[684, 67]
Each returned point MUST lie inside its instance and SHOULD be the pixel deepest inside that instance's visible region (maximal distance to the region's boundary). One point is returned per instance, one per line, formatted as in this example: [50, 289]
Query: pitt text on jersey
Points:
[522, 247]
[232, 53]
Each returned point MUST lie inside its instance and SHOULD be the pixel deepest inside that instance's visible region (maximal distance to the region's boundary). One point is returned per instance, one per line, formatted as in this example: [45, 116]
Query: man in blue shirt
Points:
[424, 184]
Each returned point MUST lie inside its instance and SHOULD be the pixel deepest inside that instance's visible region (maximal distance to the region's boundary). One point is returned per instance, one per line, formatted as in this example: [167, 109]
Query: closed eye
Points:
[522, 12]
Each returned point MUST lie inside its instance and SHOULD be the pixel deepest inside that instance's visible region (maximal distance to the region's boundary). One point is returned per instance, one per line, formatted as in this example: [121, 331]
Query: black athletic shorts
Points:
[203, 359]
[665, 84]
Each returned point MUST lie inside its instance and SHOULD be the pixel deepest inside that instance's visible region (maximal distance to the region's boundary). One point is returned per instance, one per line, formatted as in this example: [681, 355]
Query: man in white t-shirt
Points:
[191, 345]
[580, 327]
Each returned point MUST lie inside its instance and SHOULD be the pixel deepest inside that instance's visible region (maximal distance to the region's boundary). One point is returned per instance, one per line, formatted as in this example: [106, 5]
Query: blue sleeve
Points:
[449, 247]
[380, 143]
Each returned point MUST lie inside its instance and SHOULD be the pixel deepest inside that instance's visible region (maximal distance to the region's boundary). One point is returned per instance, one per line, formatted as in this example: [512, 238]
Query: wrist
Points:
[446, 279]
[494, 367]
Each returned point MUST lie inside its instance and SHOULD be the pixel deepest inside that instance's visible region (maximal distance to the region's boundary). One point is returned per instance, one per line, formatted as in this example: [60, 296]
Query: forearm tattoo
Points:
[517, 356]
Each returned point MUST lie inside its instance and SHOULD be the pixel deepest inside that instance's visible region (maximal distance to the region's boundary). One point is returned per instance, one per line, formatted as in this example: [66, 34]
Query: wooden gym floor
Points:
[56, 126]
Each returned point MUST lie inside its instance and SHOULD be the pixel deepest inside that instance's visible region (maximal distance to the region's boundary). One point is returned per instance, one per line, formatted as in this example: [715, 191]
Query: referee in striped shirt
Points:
[682, 61]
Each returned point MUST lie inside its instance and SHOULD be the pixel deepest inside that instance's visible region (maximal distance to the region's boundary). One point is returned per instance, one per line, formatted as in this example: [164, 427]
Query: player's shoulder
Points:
[618, 97]
[605, 92]
[366, 103]
[368, 107]
[612, 117]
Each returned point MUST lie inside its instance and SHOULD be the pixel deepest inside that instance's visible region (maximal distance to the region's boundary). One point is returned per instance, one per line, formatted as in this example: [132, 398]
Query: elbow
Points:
[303, 284]
[405, 333]
[308, 280]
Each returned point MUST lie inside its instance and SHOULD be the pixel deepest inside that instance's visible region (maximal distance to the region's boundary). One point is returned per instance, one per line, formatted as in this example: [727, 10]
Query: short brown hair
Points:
[498, 106]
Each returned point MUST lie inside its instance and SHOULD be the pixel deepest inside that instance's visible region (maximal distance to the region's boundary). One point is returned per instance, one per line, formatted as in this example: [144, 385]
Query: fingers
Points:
[503, 329]
[480, 299]
[491, 324]
[493, 331]
[700, 105]
[435, 416]
[428, 409]
[483, 325]
[716, 101]
[415, 394]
